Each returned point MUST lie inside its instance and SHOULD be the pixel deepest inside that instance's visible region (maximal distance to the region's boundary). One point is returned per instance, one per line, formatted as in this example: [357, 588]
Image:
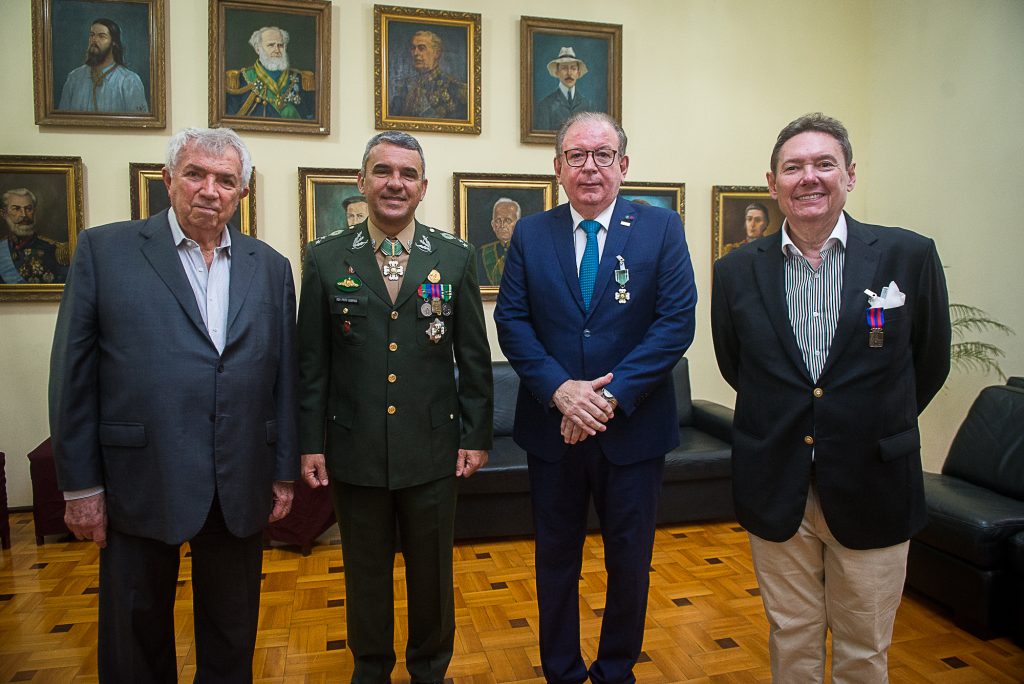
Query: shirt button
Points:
[586, 333]
[394, 315]
[818, 392]
[808, 440]
[392, 377]
[816, 314]
[393, 346]
[220, 368]
[391, 410]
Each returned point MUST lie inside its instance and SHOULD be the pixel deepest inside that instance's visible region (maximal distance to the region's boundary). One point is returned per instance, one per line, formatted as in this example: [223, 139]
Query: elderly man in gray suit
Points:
[173, 414]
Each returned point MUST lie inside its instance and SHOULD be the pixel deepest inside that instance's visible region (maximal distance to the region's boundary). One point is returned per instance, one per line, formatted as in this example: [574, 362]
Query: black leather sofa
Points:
[697, 485]
[970, 556]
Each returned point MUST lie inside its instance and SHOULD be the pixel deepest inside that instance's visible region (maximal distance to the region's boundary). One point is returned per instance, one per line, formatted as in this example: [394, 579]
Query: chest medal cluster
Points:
[437, 302]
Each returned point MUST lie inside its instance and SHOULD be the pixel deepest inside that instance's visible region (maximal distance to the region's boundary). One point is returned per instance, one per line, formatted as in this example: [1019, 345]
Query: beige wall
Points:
[707, 85]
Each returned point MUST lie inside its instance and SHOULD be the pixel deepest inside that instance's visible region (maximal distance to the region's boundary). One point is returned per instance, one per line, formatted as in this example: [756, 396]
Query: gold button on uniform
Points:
[392, 377]
[391, 410]
[345, 310]
[393, 346]
[808, 440]
[818, 392]
[394, 315]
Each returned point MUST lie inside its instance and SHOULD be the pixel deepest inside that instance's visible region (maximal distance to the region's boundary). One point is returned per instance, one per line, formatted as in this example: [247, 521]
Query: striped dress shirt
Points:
[813, 296]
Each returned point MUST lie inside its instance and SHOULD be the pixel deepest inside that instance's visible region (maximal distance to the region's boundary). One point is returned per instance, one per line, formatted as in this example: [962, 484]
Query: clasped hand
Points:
[584, 410]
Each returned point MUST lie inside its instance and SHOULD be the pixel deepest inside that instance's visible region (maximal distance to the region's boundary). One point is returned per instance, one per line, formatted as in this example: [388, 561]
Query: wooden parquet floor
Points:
[704, 623]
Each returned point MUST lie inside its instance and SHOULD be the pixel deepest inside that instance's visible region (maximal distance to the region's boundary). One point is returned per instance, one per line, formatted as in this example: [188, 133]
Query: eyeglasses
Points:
[602, 157]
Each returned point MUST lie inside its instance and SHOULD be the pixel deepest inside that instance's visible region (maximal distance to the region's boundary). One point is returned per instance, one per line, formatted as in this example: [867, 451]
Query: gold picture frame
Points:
[478, 206]
[149, 196]
[545, 42]
[64, 89]
[426, 70]
[321, 194]
[34, 267]
[671, 196]
[729, 204]
[244, 94]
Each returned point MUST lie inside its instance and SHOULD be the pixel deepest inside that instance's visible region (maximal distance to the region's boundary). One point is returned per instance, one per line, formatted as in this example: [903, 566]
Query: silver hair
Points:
[398, 139]
[435, 40]
[212, 140]
[24, 192]
[590, 117]
[507, 200]
[256, 39]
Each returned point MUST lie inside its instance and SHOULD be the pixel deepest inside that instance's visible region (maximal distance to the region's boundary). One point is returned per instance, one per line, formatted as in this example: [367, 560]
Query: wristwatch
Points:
[609, 396]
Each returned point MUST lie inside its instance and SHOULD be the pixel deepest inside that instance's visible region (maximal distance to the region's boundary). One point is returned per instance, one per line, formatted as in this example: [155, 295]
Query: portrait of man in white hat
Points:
[565, 100]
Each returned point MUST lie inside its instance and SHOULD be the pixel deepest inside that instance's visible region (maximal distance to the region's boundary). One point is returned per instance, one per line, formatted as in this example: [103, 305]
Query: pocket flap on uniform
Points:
[122, 434]
[349, 305]
[440, 414]
[271, 432]
[899, 445]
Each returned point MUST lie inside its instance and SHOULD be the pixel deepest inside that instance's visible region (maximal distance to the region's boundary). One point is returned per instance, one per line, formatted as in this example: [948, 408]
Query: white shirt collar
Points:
[178, 234]
[566, 92]
[604, 218]
[838, 234]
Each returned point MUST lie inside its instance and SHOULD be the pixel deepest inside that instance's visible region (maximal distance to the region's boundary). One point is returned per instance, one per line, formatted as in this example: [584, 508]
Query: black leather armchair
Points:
[963, 558]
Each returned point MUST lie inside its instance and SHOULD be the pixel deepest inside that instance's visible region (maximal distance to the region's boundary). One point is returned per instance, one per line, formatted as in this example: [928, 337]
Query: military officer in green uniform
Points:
[270, 88]
[27, 258]
[387, 308]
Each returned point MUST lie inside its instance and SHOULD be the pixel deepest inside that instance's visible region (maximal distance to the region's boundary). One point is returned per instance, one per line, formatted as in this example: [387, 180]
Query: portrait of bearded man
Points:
[27, 258]
[104, 83]
[270, 88]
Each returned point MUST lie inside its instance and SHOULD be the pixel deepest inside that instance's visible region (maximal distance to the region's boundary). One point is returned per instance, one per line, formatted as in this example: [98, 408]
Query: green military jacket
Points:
[378, 393]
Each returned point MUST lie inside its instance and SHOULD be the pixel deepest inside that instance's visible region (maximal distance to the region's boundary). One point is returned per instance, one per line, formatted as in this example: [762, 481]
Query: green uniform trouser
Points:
[425, 517]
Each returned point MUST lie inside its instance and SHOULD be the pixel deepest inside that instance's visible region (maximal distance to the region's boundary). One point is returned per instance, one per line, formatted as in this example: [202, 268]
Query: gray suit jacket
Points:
[142, 403]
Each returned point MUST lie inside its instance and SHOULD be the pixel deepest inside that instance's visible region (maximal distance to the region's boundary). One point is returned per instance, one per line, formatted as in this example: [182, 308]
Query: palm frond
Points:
[979, 356]
[965, 318]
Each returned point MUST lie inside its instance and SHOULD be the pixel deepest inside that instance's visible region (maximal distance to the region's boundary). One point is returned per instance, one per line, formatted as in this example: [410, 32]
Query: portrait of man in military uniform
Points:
[27, 258]
[504, 215]
[428, 79]
[271, 87]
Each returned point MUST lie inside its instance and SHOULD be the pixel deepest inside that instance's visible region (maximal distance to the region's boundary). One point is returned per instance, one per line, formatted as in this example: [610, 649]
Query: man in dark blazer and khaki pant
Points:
[387, 308]
[835, 335]
[173, 414]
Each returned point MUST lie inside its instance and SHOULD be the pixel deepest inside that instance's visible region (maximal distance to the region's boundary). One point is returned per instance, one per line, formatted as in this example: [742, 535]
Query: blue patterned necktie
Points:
[588, 266]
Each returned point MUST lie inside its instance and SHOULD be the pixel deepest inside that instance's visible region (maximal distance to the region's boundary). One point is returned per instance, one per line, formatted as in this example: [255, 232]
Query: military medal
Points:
[434, 277]
[391, 248]
[622, 277]
[348, 284]
[425, 309]
[876, 327]
[436, 298]
[435, 331]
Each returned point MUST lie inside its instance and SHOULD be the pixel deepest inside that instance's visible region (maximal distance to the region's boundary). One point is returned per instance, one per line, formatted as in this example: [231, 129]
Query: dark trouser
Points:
[138, 582]
[425, 516]
[626, 500]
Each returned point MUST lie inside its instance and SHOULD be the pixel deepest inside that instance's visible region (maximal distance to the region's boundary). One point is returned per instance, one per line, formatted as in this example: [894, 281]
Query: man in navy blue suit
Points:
[595, 309]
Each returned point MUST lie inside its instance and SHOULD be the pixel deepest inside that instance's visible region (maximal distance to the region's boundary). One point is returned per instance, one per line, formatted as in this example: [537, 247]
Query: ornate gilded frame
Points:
[321, 190]
[65, 186]
[728, 205]
[548, 35]
[461, 30]
[234, 21]
[149, 196]
[666, 195]
[50, 17]
[475, 195]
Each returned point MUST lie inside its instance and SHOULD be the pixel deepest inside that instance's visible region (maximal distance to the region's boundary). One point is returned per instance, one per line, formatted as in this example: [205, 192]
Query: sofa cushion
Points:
[505, 471]
[681, 381]
[506, 390]
[699, 456]
[1017, 555]
[988, 449]
[968, 521]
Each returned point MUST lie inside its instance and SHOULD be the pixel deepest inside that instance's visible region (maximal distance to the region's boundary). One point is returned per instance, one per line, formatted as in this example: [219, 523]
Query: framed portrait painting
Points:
[671, 196]
[426, 70]
[487, 207]
[328, 201]
[149, 196]
[99, 63]
[567, 67]
[741, 214]
[40, 218]
[270, 65]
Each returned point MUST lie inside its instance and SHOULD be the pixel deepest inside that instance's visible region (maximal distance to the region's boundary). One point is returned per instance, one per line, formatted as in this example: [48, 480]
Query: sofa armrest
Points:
[714, 419]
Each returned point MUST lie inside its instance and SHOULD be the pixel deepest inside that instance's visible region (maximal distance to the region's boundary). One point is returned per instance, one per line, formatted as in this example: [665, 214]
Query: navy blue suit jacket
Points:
[548, 337]
[861, 414]
[142, 403]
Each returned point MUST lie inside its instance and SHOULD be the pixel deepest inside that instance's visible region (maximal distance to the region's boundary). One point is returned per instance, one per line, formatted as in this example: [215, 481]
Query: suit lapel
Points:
[859, 267]
[362, 260]
[614, 244]
[770, 275]
[422, 260]
[243, 265]
[159, 250]
[564, 248]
